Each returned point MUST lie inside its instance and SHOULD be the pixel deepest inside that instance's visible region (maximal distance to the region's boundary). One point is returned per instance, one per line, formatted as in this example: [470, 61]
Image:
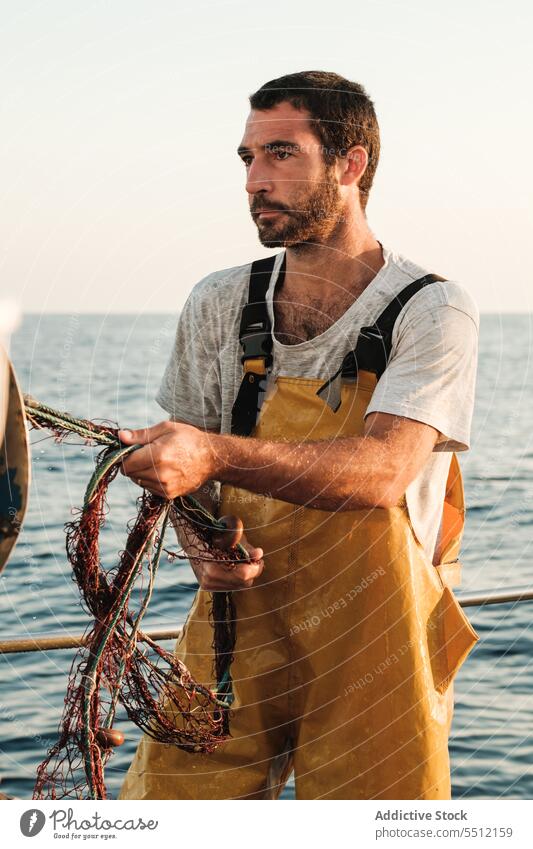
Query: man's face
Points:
[294, 196]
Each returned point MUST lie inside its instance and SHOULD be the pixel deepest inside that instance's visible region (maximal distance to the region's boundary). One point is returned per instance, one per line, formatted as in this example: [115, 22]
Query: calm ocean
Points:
[109, 367]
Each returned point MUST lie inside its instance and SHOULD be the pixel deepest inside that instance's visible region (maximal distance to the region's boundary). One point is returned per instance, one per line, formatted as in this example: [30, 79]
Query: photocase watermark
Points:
[66, 826]
[25, 552]
[245, 497]
[382, 666]
[166, 330]
[63, 370]
[313, 147]
[32, 822]
[8, 716]
[315, 620]
[64, 819]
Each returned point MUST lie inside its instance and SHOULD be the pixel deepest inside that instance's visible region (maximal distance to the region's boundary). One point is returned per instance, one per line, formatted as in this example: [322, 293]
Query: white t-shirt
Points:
[430, 376]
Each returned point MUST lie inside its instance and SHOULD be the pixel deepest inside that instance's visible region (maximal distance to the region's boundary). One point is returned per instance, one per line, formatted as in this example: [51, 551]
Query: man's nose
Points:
[257, 179]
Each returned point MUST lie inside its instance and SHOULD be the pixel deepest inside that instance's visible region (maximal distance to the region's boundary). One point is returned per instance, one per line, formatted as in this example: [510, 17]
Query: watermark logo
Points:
[32, 822]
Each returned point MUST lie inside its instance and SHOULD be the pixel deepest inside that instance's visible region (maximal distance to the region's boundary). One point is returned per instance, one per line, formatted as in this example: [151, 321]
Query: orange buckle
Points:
[256, 365]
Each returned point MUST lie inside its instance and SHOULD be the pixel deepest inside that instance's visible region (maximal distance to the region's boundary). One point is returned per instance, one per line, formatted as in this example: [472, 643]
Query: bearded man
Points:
[320, 393]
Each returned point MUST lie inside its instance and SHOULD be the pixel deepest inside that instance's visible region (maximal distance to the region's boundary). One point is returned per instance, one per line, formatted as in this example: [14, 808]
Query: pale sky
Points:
[120, 183]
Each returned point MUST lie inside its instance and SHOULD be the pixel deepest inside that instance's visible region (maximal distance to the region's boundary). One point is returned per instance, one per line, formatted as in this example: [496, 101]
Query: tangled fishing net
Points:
[113, 667]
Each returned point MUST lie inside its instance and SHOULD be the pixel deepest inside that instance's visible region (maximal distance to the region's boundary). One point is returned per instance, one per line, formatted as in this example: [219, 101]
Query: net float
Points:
[108, 738]
[230, 535]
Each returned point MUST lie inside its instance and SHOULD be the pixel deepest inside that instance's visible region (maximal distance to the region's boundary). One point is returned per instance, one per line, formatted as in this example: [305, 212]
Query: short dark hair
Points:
[343, 114]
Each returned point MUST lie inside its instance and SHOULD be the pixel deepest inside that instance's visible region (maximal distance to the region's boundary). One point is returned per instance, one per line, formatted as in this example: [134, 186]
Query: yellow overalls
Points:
[346, 645]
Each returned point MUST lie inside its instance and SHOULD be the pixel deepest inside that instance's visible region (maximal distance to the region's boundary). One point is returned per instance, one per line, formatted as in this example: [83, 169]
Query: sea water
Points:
[109, 367]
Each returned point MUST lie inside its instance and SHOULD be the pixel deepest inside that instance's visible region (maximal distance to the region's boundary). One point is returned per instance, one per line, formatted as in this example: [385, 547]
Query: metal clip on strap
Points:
[374, 344]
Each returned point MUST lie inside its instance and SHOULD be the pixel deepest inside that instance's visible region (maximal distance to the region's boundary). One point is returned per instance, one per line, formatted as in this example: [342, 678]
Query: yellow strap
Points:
[256, 365]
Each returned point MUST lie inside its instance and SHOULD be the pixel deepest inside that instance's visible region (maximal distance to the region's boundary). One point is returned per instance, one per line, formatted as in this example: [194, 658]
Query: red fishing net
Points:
[119, 664]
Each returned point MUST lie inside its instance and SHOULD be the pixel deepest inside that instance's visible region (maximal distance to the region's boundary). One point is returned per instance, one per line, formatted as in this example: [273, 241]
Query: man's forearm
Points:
[347, 473]
[340, 474]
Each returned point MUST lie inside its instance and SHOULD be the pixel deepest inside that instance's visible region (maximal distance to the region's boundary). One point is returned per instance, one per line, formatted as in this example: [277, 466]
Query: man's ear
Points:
[354, 164]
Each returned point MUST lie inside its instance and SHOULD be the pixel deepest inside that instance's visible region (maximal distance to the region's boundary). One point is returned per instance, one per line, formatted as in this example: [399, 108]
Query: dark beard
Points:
[310, 217]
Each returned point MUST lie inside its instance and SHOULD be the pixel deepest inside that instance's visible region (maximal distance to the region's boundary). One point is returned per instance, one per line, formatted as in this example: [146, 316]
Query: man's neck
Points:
[347, 260]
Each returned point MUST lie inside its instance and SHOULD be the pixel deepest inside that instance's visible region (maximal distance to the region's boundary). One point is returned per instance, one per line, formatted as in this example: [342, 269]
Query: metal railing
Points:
[67, 641]
[61, 641]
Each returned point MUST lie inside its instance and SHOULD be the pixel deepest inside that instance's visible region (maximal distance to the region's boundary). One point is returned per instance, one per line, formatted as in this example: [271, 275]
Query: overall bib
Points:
[347, 643]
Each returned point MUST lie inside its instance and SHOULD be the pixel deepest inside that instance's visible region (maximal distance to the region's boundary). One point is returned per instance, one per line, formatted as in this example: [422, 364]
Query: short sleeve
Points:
[191, 386]
[431, 375]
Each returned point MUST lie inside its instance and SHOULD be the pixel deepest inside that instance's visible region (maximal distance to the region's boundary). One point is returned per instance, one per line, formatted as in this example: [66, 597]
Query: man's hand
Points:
[215, 576]
[176, 458]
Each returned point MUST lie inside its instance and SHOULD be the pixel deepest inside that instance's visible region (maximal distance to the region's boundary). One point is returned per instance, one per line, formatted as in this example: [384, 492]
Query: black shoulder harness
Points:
[372, 351]
[374, 343]
[255, 336]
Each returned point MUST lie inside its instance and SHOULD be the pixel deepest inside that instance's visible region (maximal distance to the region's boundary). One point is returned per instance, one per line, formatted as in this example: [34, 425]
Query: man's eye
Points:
[247, 160]
[282, 154]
